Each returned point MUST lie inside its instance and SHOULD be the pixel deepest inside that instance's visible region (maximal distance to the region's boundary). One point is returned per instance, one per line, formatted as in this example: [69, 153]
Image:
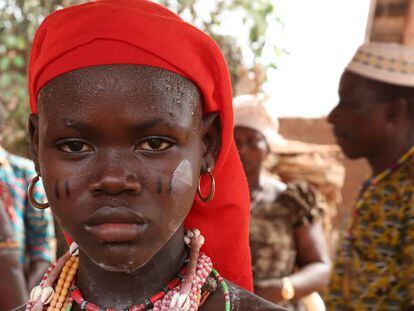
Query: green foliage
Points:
[20, 18]
[18, 22]
[255, 16]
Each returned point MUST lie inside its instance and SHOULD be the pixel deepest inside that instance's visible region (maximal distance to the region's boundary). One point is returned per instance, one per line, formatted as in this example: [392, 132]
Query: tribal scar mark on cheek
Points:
[67, 188]
[170, 186]
[159, 185]
[57, 193]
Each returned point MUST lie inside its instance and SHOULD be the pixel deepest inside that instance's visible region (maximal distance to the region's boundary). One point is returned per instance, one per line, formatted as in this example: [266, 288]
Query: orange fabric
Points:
[142, 32]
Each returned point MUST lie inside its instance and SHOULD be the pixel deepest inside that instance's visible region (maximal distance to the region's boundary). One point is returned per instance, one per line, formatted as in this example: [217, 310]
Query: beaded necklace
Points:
[365, 189]
[76, 296]
[186, 292]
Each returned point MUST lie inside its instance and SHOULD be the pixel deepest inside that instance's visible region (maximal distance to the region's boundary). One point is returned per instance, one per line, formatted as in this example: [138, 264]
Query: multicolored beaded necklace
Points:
[366, 187]
[188, 291]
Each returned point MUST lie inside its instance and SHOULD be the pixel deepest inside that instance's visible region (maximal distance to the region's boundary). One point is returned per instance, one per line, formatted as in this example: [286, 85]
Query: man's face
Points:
[359, 120]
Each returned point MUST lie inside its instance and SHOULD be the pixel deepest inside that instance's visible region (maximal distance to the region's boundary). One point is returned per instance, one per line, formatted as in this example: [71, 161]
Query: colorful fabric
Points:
[374, 268]
[33, 228]
[272, 226]
[386, 62]
[144, 33]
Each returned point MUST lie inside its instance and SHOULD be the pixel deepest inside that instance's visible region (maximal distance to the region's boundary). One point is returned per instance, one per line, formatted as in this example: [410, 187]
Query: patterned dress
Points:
[374, 268]
[275, 213]
[33, 228]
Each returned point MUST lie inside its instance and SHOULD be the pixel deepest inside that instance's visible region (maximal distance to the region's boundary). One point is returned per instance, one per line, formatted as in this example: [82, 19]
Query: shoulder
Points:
[272, 187]
[240, 300]
[304, 201]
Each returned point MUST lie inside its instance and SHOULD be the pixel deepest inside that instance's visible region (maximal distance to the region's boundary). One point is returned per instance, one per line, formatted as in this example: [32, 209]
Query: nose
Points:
[333, 115]
[116, 181]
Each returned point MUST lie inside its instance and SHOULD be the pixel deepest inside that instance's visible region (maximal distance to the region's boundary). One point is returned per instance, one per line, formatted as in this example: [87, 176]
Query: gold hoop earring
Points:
[210, 195]
[30, 190]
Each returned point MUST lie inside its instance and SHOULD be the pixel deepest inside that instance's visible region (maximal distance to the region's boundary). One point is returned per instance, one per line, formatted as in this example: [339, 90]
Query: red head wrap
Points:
[144, 33]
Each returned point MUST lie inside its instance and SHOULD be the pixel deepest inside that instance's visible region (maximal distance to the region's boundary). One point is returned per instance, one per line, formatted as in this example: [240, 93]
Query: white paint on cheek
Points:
[182, 177]
[181, 181]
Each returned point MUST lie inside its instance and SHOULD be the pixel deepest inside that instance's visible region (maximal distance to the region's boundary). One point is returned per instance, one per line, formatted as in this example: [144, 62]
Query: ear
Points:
[33, 127]
[211, 136]
[396, 109]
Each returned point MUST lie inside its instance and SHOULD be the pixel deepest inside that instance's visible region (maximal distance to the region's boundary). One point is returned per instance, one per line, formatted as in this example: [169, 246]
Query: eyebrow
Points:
[79, 125]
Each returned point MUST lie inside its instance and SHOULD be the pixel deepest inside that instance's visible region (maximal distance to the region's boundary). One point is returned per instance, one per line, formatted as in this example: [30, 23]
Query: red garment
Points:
[142, 32]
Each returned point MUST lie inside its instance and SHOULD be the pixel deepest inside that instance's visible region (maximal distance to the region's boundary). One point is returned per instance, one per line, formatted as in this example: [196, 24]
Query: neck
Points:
[121, 290]
[389, 155]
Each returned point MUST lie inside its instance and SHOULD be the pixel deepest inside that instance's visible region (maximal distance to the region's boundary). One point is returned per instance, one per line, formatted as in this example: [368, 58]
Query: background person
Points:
[374, 266]
[33, 228]
[13, 291]
[290, 259]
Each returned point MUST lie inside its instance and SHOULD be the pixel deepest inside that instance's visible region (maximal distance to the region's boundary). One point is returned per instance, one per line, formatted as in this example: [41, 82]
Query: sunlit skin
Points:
[370, 123]
[313, 258]
[120, 149]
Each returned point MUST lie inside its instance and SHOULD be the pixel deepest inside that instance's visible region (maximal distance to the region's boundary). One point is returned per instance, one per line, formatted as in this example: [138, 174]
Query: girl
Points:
[131, 131]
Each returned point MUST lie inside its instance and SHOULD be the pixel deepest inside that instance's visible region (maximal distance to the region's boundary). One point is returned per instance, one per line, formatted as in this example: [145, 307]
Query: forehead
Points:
[247, 133]
[358, 87]
[133, 89]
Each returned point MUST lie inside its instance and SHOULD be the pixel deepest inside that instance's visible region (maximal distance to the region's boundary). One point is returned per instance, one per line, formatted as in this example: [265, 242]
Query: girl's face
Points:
[120, 149]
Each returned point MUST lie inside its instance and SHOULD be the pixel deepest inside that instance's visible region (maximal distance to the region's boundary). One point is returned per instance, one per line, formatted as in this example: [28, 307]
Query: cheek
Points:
[182, 178]
[64, 188]
[182, 187]
[59, 191]
[370, 127]
[258, 153]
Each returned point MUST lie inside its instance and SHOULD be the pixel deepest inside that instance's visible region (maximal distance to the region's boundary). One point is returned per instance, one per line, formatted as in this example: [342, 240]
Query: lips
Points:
[115, 225]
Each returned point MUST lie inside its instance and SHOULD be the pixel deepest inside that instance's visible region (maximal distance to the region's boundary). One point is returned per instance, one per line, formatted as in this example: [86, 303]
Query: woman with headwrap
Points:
[131, 132]
[289, 254]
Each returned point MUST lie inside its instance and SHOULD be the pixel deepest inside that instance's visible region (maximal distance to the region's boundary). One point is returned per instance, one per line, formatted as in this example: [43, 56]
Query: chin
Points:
[350, 151]
[352, 154]
[112, 259]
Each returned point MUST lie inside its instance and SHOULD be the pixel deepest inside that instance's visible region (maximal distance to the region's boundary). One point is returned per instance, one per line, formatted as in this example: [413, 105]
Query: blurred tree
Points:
[255, 17]
[20, 18]
[18, 22]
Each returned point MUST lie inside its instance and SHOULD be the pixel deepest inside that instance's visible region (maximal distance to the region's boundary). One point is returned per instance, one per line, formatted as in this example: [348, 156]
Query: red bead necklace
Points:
[148, 303]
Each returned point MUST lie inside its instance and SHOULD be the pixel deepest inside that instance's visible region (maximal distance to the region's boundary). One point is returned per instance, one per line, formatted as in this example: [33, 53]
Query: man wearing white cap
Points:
[374, 267]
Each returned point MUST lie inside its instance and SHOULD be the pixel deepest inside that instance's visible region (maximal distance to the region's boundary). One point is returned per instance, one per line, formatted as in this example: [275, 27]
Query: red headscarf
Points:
[144, 33]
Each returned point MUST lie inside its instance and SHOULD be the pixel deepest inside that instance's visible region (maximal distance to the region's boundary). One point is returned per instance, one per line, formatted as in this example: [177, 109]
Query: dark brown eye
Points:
[155, 144]
[75, 147]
